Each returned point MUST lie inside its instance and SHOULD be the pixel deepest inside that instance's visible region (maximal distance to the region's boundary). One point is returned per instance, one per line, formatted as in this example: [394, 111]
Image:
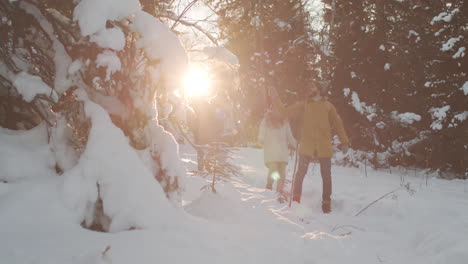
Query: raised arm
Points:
[288, 111]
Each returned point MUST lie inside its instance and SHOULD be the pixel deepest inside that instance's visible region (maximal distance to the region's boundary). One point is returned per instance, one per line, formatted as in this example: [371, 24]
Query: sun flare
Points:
[197, 82]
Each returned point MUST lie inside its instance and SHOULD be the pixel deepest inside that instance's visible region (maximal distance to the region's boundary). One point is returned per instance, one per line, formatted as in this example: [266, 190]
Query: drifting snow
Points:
[29, 86]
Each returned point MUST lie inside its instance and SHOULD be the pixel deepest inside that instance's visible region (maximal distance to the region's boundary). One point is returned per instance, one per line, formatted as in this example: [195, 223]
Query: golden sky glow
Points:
[197, 81]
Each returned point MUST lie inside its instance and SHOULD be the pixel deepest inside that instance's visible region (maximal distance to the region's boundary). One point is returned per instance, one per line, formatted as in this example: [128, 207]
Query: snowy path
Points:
[425, 225]
[243, 223]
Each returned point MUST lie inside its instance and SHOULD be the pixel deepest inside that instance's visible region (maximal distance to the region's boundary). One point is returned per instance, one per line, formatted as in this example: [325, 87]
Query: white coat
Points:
[276, 141]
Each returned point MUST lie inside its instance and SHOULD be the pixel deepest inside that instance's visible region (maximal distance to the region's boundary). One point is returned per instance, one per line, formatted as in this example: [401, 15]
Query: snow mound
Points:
[130, 194]
[215, 207]
[25, 154]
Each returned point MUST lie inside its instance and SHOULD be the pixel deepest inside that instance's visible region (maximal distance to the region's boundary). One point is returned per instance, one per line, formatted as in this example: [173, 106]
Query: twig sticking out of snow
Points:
[383, 196]
[336, 227]
[106, 250]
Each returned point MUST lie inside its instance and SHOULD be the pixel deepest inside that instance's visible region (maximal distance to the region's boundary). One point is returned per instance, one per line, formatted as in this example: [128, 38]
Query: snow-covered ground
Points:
[243, 222]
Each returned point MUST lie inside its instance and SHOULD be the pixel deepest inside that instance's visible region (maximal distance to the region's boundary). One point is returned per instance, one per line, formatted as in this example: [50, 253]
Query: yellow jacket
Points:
[318, 117]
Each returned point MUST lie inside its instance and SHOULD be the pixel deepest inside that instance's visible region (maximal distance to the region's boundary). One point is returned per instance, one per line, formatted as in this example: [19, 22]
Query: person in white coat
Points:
[276, 136]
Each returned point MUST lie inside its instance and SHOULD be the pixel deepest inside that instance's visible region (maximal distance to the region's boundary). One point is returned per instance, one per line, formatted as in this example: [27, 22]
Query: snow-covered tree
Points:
[91, 70]
[447, 85]
[398, 74]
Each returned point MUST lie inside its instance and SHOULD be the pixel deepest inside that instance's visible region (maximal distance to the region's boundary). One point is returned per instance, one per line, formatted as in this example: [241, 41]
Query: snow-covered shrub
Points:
[218, 163]
[91, 70]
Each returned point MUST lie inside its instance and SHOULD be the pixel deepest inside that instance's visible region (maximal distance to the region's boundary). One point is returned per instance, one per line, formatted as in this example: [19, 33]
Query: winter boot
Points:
[282, 197]
[326, 206]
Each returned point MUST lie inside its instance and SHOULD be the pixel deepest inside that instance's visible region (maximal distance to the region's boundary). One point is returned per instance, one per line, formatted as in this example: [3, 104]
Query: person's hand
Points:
[344, 148]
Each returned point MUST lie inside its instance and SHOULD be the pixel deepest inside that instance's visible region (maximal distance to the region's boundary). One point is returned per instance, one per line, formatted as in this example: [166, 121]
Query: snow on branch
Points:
[439, 114]
[464, 88]
[460, 53]
[444, 16]
[361, 107]
[29, 86]
[92, 15]
[109, 60]
[160, 43]
[450, 43]
[458, 119]
[112, 38]
[406, 118]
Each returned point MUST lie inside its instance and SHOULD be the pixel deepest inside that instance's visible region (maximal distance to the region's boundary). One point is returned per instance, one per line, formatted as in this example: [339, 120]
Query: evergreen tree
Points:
[40, 41]
[391, 58]
[446, 76]
[273, 41]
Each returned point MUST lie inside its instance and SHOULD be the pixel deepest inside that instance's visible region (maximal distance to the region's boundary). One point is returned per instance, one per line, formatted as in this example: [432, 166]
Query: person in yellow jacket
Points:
[317, 116]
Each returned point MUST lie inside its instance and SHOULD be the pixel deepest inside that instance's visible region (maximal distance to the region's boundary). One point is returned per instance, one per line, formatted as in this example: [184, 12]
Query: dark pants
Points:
[276, 171]
[325, 171]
